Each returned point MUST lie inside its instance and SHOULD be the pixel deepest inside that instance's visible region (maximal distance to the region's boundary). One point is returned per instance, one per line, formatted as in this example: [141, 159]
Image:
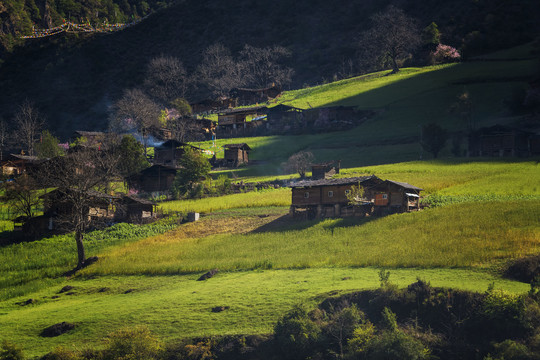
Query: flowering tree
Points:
[445, 53]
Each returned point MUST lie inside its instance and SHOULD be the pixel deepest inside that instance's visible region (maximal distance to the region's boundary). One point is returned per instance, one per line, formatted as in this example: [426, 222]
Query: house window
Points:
[385, 196]
[330, 194]
[306, 195]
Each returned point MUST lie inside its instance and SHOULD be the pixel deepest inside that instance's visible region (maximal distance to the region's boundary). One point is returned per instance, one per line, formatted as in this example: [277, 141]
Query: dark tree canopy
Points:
[194, 169]
[391, 38]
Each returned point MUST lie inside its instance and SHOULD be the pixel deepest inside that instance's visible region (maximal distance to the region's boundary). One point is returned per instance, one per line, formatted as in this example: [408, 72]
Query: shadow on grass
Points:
[288, 223]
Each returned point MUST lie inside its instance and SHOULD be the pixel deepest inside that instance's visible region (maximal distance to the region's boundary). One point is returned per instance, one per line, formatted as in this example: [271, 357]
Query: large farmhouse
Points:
[329, 197]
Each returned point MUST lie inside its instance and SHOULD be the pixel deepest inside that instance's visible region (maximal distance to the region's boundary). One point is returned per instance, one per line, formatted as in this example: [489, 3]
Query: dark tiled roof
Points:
[405, 185]
[138, 200]
[244, 110]
[330, 182]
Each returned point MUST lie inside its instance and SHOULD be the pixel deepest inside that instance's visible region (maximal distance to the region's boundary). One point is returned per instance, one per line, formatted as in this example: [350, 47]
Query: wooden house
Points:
[393, 196]
[501, 141]
[15, 164]
[58, 203]
[208, 106]
[328, 197]
[170, 152]
[236, 154]
[324, 170]
[133, 209]
[156, 178]
[254, 96]
[284, 118]
[235, 120]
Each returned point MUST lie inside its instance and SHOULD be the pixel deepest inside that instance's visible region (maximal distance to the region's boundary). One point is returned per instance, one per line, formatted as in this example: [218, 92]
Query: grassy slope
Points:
[403, 102]
[290, 262]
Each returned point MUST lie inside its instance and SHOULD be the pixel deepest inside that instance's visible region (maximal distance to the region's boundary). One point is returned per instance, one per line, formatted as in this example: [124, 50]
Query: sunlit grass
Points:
[469, 235]
[279, 197]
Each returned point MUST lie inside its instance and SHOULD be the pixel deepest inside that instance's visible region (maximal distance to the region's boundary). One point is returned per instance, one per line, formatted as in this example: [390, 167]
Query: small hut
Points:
[236, 154]
[170, 152]
[133, 209]
[393, 196]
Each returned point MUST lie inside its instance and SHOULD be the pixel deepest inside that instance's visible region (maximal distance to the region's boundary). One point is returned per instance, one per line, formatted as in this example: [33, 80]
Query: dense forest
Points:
[74, 78]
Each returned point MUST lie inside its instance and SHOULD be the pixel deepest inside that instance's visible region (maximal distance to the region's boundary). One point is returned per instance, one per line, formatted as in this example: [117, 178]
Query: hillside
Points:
[268, 262]
[74, 78]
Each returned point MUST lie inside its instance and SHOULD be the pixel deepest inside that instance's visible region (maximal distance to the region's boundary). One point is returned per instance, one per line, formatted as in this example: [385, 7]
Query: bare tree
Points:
[28, 125]
[78, 178]
[166, 78]
[136, 111]
[219, 71]
[299, 162]
[21, 195]
[391, 38]
[261, 66]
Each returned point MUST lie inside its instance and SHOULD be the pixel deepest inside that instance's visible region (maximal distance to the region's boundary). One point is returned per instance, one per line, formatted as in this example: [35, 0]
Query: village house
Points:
[234, 121]
[236, 154]
[329, 197]
[15, 164]
[155, 179]
[170, 152]
[502, 141]
[133, 209]
[209, 106]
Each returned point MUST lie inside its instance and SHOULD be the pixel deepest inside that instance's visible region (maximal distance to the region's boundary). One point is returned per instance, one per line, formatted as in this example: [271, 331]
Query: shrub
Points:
[445, 53]
[62, 353]
[296, 334]
[11, 351]
[136, 343]
[510, 350]
[396, 345]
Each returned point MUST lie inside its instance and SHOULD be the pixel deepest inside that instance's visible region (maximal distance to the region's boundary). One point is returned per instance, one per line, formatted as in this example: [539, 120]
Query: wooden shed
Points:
[236, 118]
[156, 178]
[236, 154]
[328, 197]
[133, 209]
[325, 170]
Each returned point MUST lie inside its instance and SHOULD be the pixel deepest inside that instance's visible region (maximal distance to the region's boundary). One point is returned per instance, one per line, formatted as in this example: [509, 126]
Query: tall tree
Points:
[166, 79]
[261, 66]
[195, 167]
[390, 39]
[136, 111]
[28, 124]
[299, 162]
[21, 195]
[76, 178]
[219, 71]
[131, 156]
[48, 146]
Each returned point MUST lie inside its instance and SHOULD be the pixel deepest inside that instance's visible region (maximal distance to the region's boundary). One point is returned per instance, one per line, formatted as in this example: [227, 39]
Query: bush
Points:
[136, 343]
[396, 345]
[296, 334]
[62, 353]
[11, 351]
[510, 350]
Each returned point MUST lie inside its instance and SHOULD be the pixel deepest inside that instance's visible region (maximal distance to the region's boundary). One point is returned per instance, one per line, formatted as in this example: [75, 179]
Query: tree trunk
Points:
[80, 248]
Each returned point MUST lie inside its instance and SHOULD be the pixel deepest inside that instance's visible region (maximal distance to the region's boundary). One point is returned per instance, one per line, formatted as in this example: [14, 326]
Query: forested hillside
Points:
[74, 78]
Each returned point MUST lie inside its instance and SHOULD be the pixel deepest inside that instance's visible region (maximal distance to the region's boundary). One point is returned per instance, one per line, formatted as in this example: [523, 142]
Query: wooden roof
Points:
[132, 199]
[402, 184]
[333, 182]
[242, 146]
[169, 144]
